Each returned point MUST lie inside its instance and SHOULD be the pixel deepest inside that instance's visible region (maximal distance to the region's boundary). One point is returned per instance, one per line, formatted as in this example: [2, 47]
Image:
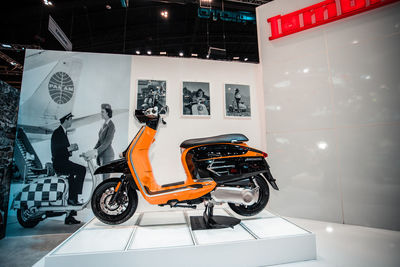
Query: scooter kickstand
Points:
[209, 221]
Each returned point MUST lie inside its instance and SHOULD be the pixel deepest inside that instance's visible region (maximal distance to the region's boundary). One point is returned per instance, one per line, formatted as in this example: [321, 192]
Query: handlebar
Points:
[155, 111]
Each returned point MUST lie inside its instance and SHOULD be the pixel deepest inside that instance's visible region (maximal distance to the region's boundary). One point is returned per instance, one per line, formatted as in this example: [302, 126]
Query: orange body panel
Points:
[137, 157]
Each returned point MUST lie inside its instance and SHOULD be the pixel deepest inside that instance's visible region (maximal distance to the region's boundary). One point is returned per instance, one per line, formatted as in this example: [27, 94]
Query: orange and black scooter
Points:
[219, 169]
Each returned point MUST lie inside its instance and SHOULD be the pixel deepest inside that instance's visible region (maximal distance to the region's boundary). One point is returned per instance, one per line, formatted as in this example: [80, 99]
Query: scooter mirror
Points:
[164, 111]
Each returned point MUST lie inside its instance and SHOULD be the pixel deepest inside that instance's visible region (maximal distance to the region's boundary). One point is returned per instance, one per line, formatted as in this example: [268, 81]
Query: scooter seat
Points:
[37, 171]
[225, 138]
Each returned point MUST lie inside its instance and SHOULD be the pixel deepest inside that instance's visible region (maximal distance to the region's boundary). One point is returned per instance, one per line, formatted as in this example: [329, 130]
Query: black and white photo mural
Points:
[73, 117]
[196, 99]
[151, 93]
[237, 100]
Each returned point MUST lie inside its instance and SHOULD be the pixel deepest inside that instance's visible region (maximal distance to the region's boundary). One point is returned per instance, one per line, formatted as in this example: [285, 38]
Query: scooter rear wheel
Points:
[117, 213]
[257, 207]
[24, 221]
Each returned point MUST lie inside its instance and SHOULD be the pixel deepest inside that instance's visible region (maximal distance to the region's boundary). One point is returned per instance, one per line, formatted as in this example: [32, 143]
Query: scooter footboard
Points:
[47, 191]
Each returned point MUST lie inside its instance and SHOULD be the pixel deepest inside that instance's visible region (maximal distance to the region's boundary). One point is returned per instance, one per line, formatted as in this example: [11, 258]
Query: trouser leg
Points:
[77, 176]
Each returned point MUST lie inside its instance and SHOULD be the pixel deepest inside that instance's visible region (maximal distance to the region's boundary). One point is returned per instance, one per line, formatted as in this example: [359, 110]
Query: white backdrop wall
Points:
[165, 152]
[333, 116]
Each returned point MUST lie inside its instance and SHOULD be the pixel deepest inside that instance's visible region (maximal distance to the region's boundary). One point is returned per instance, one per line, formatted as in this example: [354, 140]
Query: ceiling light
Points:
[194, 55]
[181, 54]
[47, 3]
[164, 14]
[13, 63]
[208, 56]
[108, 7]
[245, 59]
[235, 58]
[149, 52]
[6, 45]
[163, 53]
[137, 52]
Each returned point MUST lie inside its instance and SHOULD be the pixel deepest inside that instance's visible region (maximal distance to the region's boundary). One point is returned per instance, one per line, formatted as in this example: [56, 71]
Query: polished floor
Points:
[337, 245]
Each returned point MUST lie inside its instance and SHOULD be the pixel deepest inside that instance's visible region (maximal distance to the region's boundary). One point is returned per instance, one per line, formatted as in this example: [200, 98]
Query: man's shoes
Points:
[71, 220]
[74, 202]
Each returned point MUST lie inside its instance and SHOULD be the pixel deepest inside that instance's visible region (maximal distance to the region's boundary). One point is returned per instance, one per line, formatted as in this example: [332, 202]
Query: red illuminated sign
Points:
[319, 14]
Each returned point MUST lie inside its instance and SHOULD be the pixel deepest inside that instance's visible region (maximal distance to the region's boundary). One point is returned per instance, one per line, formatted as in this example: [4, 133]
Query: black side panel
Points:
[118, 165]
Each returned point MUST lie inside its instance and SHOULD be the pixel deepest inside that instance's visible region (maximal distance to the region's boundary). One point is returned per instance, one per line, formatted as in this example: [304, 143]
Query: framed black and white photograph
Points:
[196, 99]
[237, 100]
[151, 93]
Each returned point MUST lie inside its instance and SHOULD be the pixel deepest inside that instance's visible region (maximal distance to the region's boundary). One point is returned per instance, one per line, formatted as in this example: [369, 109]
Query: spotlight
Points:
[47, 3]
[137, 52]
[235, 58]
[245, 59]
[163, 53]
[6, 45]
[13, 63]
[194, 55]
[164, 14]
[108, 7]
[181, 54]
[149, 52]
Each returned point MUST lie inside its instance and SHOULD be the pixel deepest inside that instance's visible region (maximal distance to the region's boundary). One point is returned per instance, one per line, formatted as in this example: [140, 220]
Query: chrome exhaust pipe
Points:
[235, 195]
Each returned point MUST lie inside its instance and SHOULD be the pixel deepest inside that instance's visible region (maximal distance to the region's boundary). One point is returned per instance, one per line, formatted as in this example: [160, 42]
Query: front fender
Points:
[118, 165]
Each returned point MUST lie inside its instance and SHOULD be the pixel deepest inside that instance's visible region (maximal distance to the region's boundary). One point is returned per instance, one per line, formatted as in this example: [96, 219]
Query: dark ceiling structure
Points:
[129, 27]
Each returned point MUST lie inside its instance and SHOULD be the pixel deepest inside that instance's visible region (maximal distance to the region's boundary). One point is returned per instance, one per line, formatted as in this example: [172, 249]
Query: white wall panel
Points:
[298, 88]
[369, 165]
[366, 79]
[348, 97]
[305, 166]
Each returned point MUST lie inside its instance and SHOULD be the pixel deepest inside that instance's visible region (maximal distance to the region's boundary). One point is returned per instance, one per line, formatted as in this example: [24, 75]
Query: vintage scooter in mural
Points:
[47, 196]
[219, 169]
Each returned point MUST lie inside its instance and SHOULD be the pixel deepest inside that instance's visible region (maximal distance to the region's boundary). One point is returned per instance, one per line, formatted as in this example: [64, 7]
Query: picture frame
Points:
[196, 99]
[151, 93]
[237, 100]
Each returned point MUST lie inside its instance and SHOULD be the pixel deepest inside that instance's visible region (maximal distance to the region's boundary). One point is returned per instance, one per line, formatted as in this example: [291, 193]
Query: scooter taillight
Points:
[265, 154]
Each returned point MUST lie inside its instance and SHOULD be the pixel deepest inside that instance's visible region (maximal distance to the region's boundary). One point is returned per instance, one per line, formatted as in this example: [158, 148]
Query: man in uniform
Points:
[61, 150]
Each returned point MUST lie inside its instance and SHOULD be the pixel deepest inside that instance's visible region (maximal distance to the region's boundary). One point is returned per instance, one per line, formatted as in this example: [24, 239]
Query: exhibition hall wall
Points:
[56, 83]
[332, 115]
[165, 152]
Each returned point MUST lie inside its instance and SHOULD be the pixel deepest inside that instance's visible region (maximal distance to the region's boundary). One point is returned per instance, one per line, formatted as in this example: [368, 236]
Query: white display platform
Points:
[166, 239]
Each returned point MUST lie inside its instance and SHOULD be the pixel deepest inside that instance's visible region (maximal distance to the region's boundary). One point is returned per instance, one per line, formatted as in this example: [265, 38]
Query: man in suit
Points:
[61, 150]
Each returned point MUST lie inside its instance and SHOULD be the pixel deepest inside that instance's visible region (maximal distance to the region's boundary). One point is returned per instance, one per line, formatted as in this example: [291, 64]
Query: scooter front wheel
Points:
[113, 213]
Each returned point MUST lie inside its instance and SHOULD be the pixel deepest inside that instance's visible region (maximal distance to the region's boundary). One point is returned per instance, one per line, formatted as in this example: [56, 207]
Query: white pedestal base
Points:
[166, 239]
